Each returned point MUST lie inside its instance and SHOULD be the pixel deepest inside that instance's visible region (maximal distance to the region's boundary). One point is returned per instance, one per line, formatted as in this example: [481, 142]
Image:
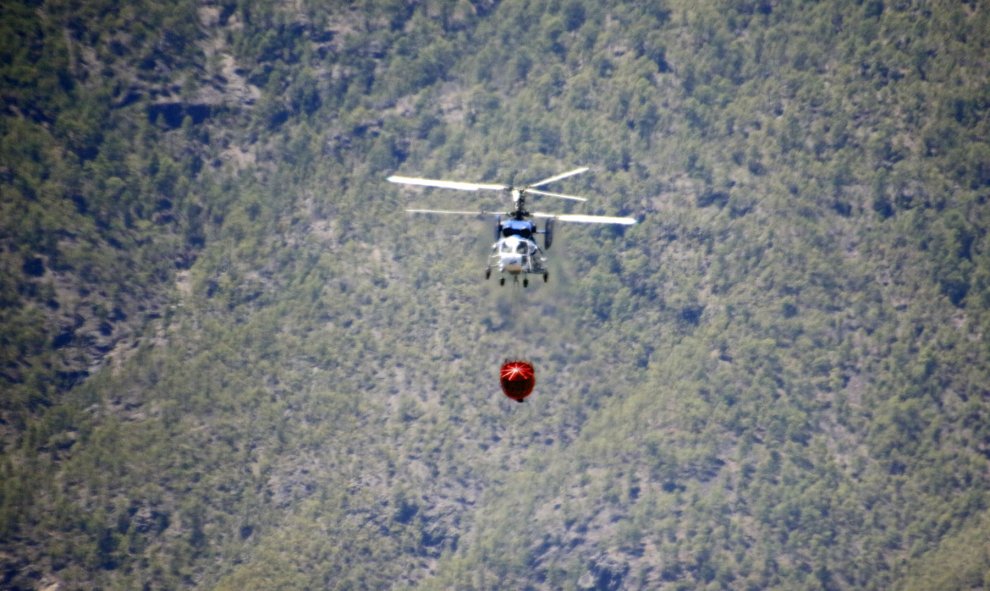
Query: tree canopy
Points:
[230, 360]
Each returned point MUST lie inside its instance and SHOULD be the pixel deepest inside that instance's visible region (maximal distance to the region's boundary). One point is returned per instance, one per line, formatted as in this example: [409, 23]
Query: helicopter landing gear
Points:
[546, 277]
[488, 273]
[501, 281]
[525, 281]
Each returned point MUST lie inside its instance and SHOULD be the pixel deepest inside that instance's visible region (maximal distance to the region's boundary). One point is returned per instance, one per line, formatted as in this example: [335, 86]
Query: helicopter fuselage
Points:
[515, 252]
[516, 255]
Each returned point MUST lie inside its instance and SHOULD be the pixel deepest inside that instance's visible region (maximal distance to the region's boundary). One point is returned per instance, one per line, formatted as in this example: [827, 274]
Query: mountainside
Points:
[230, 360]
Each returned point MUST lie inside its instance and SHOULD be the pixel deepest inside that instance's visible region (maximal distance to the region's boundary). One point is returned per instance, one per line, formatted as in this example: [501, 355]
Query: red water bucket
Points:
[517, 379]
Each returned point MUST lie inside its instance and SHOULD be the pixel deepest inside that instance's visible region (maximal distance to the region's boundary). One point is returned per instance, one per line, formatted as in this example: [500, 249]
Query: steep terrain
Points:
[231, 361]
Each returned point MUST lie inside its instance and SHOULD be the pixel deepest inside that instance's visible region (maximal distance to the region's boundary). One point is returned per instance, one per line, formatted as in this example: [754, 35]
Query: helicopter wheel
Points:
[488, 273]
[546, 277]
[501, 281]
[526, 282]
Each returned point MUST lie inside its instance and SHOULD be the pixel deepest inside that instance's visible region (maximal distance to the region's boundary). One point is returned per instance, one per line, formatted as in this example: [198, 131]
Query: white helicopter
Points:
[515, 250]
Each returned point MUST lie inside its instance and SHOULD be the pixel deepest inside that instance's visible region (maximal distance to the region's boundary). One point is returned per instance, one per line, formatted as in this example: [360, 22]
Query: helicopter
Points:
[515, 251]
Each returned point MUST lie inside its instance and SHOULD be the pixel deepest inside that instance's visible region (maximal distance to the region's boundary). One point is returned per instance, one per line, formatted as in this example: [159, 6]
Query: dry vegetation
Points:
[228, 359]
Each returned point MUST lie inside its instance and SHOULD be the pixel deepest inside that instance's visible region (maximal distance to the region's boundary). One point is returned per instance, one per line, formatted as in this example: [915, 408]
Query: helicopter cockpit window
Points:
[521, 248]
[517, 228]
[506, 247]
[516, 231]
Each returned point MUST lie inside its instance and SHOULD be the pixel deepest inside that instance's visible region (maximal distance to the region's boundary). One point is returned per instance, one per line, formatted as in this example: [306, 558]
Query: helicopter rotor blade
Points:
[557, 177]
[408, 180]
[452, 212]
[586, 219]
[558, 195]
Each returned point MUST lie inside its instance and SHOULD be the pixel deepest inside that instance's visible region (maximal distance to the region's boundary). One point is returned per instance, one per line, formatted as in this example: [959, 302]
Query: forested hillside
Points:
[230, 360]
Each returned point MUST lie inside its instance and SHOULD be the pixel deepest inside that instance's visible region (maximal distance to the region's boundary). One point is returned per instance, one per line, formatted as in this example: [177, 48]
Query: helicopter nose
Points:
[511, 264]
